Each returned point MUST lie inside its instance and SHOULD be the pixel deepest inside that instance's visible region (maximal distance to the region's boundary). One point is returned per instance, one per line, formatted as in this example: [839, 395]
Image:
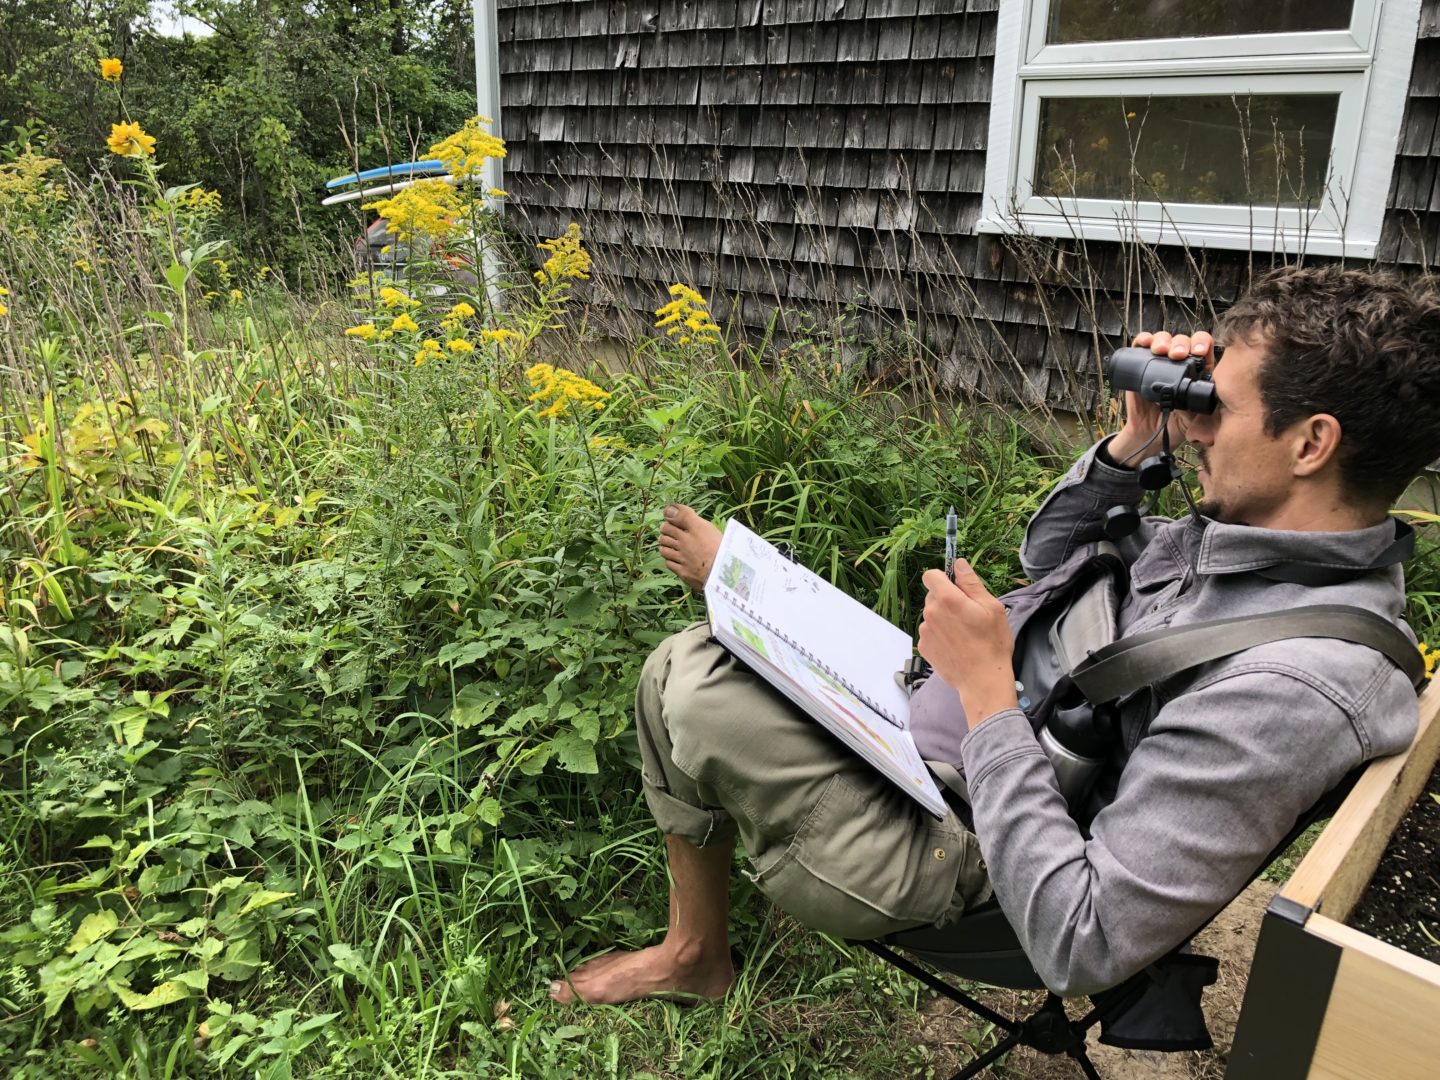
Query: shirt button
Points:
[981, 866]
[940, 853]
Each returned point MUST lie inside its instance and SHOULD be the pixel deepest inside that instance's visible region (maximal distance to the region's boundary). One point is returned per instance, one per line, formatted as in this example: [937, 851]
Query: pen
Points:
[952, 527]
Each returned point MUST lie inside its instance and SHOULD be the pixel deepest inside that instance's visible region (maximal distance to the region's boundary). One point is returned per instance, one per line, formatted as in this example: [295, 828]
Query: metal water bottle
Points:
[1075, 741]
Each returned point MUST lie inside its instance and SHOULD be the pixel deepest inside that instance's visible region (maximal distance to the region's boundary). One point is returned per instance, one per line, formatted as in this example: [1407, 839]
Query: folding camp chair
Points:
[1157, 1008]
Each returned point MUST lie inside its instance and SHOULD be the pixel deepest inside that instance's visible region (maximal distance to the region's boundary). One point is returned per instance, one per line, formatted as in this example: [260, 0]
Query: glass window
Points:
[1267, 150]
[1129, 20]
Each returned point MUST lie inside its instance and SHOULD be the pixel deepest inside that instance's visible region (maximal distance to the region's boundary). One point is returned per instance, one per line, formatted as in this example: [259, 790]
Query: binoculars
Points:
[1170, 384]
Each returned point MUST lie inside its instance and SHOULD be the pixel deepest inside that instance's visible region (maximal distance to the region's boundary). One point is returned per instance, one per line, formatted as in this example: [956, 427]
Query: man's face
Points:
[1244, 472]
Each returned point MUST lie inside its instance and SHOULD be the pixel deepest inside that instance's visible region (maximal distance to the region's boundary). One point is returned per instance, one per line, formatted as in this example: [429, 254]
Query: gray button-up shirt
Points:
[1216, 765]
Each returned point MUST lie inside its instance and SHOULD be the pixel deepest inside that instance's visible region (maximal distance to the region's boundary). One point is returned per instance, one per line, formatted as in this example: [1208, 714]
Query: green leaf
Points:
[575, 753]
[264, 898]
[130, 723]
[177, 275]
[240, 961]
[167, 993]
[196, 979]
[93, 927]
[474, 704]
[583, 604]
[491, 812]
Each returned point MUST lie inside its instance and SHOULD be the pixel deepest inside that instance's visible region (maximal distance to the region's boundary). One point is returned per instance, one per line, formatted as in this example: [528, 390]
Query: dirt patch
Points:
[955, 1037]
[1400, 905]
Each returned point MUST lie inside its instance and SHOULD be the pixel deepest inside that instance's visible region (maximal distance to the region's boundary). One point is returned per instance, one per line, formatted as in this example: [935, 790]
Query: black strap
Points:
[1125, 666]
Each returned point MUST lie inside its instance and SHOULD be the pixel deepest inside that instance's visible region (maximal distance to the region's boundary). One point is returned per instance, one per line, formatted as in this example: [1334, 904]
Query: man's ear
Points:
[1316, 444]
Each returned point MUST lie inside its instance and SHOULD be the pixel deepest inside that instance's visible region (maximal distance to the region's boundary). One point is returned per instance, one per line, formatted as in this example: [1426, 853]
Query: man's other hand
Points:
[966, 637]
[1142, 418]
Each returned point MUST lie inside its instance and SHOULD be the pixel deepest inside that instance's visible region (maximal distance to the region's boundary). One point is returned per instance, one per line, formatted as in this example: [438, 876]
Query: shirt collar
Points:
[1229, 549]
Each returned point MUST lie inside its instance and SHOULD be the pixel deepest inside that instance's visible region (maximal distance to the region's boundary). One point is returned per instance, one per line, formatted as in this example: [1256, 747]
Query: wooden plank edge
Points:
[1337, 869]
[1347, 937]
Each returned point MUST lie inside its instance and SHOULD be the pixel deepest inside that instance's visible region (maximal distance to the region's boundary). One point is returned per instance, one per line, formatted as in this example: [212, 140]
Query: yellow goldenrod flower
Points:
[365, 331]
[130, 140]
[25, 183]
[429, 350]
[83, 265]
[263, 271]
[403, 321]
[568, 261]
[236, 295]
[498, 336]
[562, 389]
[459, 345]
[496, 193]
[427, 208]
[465, 152]
[687, 317]
[1431, 657]
[393, 297]
[3, 309]
[462, 310]
[111, 69]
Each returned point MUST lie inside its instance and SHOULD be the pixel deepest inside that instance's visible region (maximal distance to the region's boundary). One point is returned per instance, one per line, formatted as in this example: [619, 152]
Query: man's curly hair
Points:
[1362, 346]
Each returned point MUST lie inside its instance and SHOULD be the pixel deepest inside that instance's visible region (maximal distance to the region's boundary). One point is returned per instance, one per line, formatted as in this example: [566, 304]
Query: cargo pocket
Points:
[861, 868]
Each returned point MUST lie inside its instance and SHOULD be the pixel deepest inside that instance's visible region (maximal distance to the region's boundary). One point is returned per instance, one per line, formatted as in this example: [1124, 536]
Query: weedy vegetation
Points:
[319, 620]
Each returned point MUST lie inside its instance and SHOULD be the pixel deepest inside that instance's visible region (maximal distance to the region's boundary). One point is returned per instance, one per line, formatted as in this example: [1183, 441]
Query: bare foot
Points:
[654, 972]
[688, 544]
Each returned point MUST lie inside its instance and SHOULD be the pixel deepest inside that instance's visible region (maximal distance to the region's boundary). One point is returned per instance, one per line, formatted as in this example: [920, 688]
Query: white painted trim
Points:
[1357, 36]
[487, 85]
[1372, 84]
[487, 102]
[1326, 215]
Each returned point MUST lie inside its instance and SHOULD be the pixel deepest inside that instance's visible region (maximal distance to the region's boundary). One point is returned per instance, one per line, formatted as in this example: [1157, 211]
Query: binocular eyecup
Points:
[1171, 384]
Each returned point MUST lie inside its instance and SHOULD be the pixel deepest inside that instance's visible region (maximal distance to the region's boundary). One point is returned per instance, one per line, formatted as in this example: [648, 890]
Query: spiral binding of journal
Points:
[819, 664]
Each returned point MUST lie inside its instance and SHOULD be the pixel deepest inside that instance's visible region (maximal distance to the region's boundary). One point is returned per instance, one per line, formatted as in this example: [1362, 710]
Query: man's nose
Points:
[1200, 430]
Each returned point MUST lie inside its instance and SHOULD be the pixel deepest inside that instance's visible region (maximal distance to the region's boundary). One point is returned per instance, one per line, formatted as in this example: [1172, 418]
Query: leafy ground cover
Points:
[319, 620]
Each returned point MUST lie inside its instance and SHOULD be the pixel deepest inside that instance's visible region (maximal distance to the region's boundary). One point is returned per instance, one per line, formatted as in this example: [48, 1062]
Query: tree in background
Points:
[279, 96]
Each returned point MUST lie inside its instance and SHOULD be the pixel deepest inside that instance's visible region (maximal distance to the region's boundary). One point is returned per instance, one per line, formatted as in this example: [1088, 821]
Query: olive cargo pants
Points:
[829, 840]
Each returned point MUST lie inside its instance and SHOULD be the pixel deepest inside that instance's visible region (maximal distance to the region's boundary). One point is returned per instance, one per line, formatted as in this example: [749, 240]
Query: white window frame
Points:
[1367, 64]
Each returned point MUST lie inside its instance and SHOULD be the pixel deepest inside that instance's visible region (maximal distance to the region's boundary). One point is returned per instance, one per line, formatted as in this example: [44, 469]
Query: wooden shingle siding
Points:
[1412, 224]
[826, 158]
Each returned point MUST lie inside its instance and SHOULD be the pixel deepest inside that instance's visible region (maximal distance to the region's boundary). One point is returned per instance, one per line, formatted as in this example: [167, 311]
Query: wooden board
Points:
[1334, 874]
[1381, 1021]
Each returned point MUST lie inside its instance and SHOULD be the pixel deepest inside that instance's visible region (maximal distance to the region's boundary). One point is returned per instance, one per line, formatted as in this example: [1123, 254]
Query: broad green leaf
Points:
[196, 979]
[93, 927]
[177, 275]
[240, 961]
[264, 898]
[575, 753]
[350, 960]
[474, 704]
[491, 812]
[167, 993]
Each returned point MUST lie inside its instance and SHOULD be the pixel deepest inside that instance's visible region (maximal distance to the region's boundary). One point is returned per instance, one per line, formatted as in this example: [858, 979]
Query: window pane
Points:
[1128, 20]
[1266, 150]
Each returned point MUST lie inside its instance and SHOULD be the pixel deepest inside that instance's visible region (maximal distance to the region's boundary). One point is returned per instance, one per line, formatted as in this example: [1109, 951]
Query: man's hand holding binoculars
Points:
[1142, 416]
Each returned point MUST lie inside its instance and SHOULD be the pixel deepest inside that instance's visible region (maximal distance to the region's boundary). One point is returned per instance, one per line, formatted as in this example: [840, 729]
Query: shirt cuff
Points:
[996, 740]
[1109, 481]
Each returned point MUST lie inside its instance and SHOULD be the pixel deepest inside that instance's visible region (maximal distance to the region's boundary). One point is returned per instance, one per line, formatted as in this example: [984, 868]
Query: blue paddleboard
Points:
[403, 168]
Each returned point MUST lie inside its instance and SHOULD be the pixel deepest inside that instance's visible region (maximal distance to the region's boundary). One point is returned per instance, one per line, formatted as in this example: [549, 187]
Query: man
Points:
[1330, 405]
